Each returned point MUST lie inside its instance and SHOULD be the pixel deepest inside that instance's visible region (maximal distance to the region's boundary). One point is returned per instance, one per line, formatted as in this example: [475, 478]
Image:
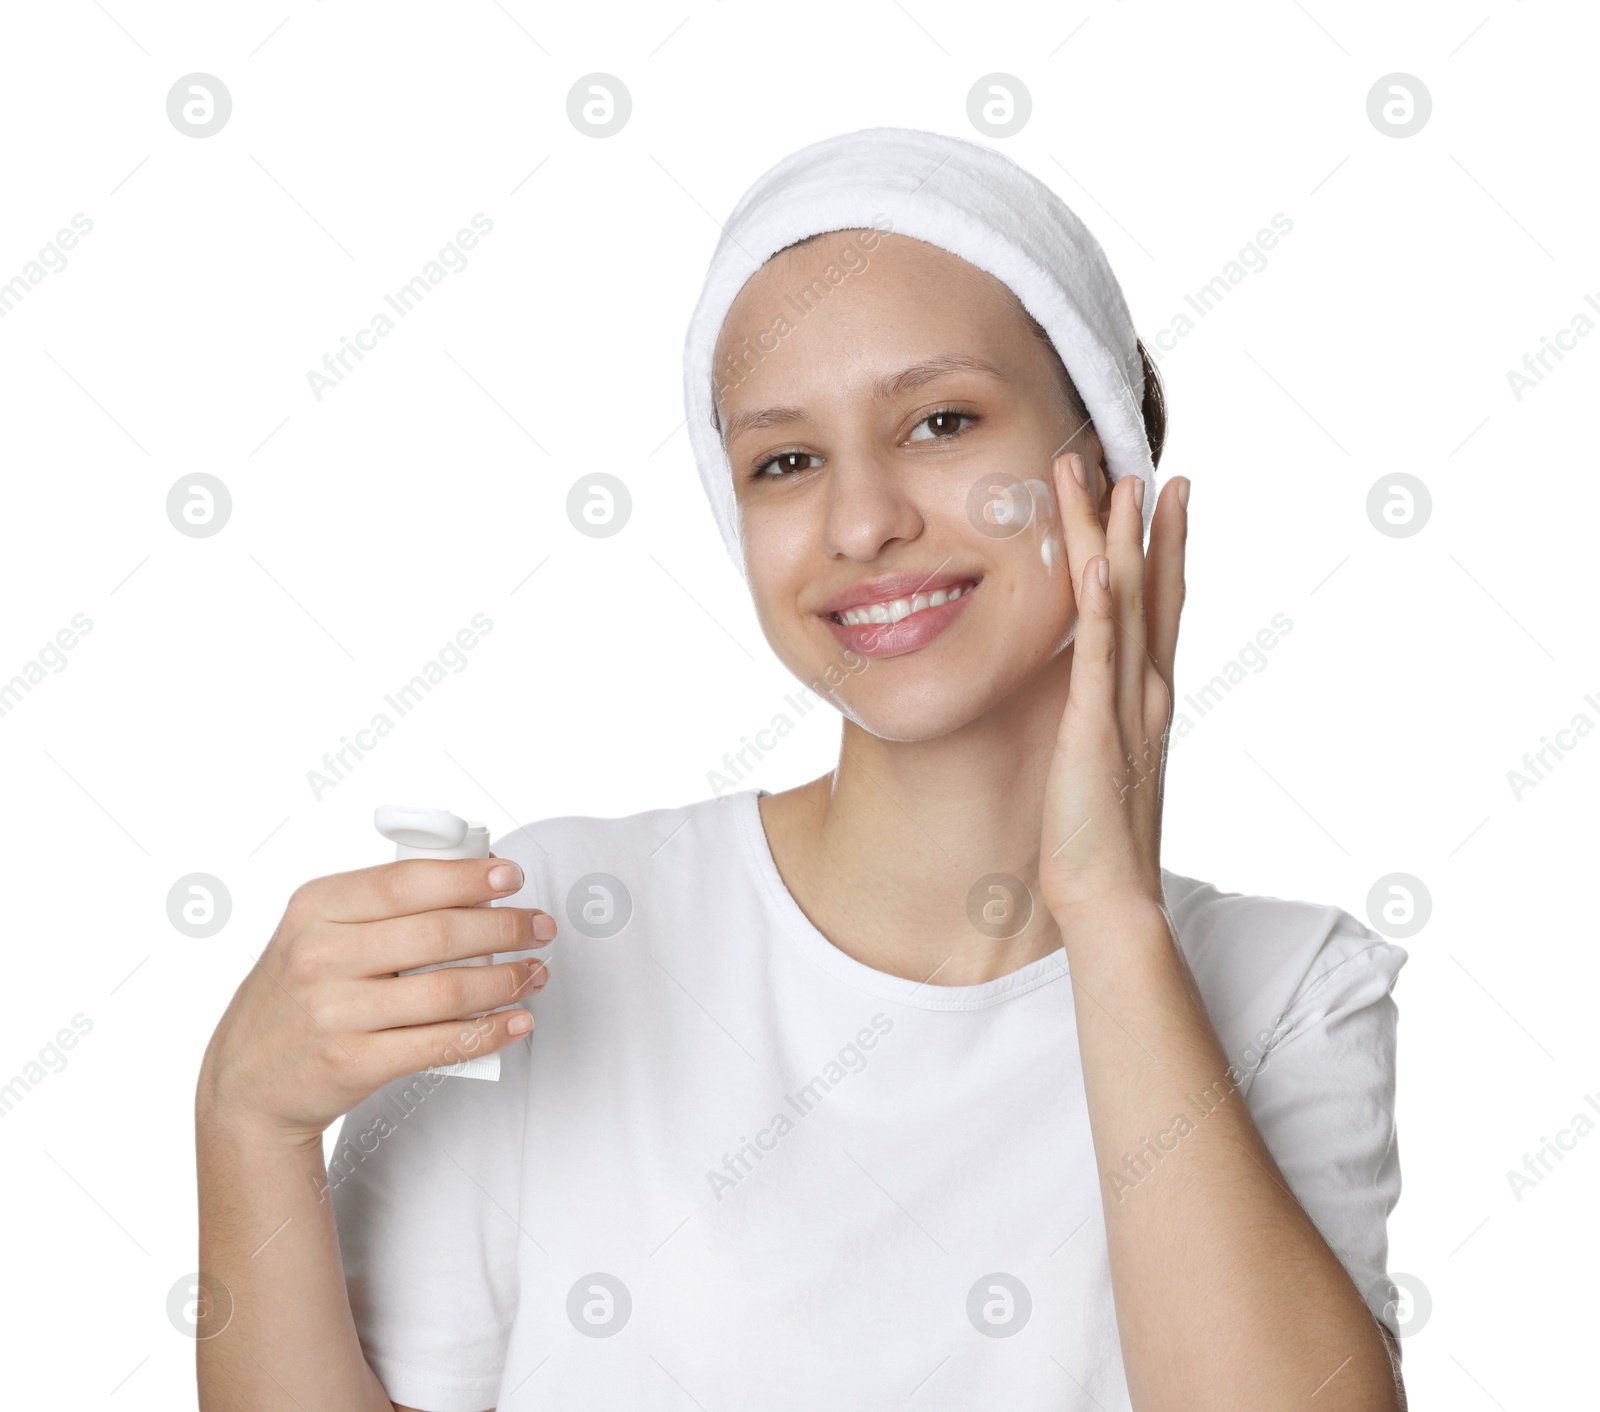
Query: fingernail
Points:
[519, 1023]
[1078, 472]
[1138, 492]
[505, 877]
[1183, 492]
[544, 927]
[1104, 571]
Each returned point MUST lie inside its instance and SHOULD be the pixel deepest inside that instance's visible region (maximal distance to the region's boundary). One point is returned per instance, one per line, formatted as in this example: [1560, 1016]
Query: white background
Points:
[369, 527]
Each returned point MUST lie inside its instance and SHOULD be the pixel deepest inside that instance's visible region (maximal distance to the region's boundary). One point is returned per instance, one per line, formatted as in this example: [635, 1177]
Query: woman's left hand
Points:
[1101, 842]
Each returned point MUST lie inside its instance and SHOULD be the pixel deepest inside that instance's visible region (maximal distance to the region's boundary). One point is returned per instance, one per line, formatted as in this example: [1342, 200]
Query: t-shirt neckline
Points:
[798, 929]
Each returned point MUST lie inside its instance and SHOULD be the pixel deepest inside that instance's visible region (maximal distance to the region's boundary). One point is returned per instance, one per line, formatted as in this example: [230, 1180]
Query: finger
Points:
[1164, 575]
[1080, 519]
[1125, 549]
[407, 887]
[447, 934]
[1091, 692]
[410, 1049]
[454, 993]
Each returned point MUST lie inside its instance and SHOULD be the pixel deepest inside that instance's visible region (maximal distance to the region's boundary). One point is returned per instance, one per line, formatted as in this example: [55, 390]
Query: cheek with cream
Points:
[1046, 524]
[1049, 537]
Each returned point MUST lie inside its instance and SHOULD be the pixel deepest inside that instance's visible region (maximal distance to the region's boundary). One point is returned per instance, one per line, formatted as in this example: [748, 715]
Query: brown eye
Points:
[939, 424]
[786, 463]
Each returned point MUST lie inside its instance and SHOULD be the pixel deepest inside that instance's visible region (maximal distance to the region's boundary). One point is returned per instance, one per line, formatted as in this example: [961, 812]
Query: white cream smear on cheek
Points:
[1045, 520]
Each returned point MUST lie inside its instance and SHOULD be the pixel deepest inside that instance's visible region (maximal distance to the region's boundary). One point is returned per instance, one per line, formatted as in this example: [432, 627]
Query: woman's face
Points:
[891, 420]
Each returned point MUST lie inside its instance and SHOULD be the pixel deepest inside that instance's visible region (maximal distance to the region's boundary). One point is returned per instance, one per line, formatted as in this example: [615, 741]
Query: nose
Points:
[869, 506]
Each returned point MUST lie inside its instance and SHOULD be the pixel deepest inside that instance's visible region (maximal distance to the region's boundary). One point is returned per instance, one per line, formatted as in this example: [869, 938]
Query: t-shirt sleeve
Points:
[425, 1181]
[1323, 1101]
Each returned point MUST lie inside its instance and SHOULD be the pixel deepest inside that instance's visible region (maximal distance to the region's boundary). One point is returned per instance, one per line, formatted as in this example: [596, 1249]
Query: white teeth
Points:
[892, 611]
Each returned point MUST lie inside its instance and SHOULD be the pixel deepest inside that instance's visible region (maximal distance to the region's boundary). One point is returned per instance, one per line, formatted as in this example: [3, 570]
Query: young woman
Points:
[923, 1084]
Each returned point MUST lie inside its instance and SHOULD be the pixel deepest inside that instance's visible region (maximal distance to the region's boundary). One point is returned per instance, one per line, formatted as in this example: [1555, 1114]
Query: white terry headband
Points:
[968, 200]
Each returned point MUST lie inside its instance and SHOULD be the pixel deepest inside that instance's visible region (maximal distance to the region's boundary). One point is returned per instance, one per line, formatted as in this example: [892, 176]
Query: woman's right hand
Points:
[323, 1020]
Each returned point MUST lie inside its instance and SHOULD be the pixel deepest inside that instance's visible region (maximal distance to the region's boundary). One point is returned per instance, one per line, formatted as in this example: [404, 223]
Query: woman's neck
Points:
[912, 857]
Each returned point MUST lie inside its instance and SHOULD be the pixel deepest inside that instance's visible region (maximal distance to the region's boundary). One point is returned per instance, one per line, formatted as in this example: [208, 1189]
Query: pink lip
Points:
[910, 633]
[892, 586]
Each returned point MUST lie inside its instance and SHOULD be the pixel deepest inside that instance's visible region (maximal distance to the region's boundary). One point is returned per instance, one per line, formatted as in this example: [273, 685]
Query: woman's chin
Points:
[926, 706]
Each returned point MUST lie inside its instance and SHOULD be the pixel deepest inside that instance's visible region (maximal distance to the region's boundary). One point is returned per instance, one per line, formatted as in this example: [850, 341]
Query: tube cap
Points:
[430, 833]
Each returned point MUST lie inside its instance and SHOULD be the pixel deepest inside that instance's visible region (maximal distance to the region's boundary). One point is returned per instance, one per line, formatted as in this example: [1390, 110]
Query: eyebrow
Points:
[888, 388]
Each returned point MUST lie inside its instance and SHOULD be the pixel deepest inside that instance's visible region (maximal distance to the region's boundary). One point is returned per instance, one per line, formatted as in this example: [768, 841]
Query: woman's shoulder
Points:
[1252, 954]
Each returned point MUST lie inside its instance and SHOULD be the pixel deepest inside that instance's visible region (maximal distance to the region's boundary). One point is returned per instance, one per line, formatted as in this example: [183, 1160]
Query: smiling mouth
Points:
[895, 610]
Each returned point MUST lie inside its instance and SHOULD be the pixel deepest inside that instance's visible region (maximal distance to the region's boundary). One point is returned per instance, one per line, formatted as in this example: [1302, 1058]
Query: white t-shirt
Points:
[733, 1167]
